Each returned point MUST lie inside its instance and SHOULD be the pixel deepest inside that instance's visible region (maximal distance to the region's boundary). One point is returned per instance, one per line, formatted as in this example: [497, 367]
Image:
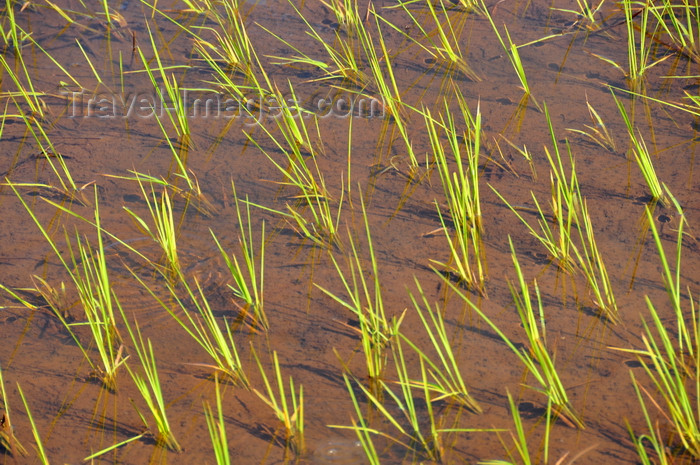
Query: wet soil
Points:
[312, 334]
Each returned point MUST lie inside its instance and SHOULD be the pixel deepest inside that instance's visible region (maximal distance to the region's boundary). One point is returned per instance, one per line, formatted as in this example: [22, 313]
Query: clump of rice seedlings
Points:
[598, 131]
[680, 21]
[150, 388]
[7, 434]
[411, 430]
[511, 50]
[461, 187]
[218, 343]
[591, 264]
[366, 303]
[638, 55]
[248, 284]
[291, 415]
[536, 357]
[347, 13]
[43, 458]
[641, 155]
[177, 114]
[446, 47]
[89, 272]
[445, 378]
[344, 53]
[217, 429]
[164, 231]
[671, 357]
[322, 228]
[586, 14]
[231, 44]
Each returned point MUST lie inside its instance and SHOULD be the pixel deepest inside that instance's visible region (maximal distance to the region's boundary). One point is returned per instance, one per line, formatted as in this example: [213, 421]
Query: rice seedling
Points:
[177, 114]
[598, 131]
[232, 45]
[461, 188]
[164, 231]
[109, 449]
[446, 380]
[447, 30]
[675, 376]
[519, 440]
[586, 13]
[564, 206]
[416, 431]
[674, 353]
[150, 388]
[43, 458]
[366, 303]
[343, 53]
[89, 273]
[536, 357]
[217, 429]
[638, 56]
[8, 441]
[218, 343]
[641, 154]
[347, 14]
[322, 229]
[364, 433]
[653, 437]
[591, 264]
[681, 23]
[276, 398]
[248, 285]
[511, 50]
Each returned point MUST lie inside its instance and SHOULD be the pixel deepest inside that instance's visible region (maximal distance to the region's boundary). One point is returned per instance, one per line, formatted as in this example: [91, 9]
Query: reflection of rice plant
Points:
[276, 398]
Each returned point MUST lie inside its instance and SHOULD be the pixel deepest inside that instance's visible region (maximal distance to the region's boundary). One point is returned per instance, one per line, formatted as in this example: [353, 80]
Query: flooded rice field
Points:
[350, 231]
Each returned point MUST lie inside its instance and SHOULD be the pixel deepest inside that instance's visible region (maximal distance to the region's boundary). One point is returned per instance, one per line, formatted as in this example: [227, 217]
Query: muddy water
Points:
[76, 417]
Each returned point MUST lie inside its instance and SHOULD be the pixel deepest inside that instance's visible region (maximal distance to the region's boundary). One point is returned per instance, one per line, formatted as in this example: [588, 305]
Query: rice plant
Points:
[301, 171]
[41, 452]
[511, 50]
[150, 388]
[445, 378]
[641, 154]
[206, 330]
[7, 433]
[249, 278]
[680, 21]
[164, 231]
[671, 356]
[217, 429]
[89, 272]
[536, 357]
[598, 131]
[290, 412]
[446, 45]
[366, 303]
[461, 188]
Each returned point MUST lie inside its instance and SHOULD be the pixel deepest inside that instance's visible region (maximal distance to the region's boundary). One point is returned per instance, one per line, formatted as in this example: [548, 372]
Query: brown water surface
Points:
[76, 416]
